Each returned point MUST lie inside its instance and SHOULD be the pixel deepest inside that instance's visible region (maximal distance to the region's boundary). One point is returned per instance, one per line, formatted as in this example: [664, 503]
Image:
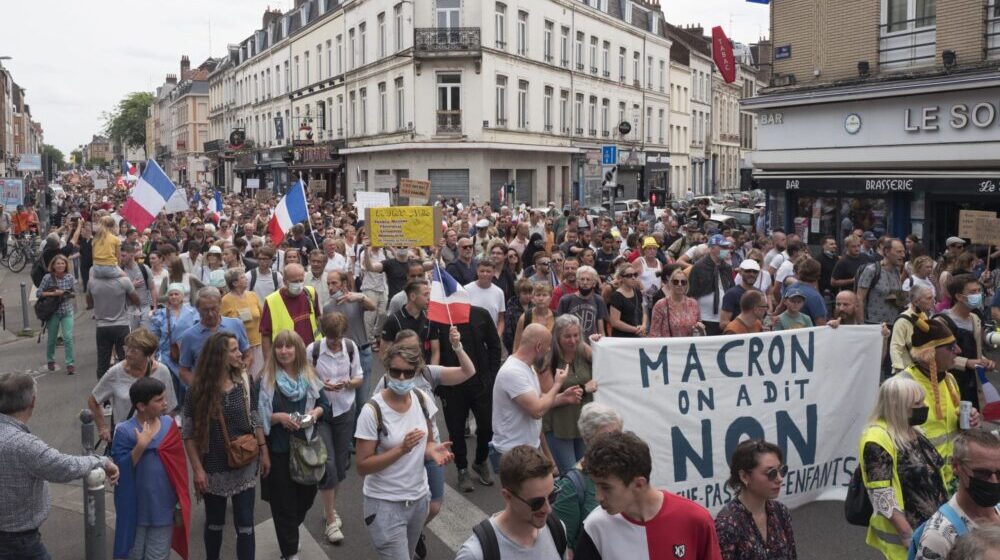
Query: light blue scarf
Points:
[294, 390]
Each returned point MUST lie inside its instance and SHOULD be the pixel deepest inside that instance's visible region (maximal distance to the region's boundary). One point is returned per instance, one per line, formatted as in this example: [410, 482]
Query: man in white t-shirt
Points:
[787, 267]
[975, 462]
[518, 401]
[484, 293]
[263, 280]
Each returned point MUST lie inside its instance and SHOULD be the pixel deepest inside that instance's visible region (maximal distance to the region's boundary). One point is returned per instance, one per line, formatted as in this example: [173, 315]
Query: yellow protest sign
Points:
[403, 226]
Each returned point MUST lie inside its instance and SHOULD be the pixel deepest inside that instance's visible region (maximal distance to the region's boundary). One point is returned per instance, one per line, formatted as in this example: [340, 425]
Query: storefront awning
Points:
[986, 183]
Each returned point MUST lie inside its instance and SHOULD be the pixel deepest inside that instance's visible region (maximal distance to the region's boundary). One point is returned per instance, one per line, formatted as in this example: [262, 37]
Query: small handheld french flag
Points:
[450, 303]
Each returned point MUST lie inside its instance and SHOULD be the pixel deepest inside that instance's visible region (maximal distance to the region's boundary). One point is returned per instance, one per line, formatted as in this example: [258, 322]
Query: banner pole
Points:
[446, 306]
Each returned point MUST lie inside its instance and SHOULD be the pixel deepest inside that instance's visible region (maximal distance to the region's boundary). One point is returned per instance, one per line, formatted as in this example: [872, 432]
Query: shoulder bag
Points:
[243, 450]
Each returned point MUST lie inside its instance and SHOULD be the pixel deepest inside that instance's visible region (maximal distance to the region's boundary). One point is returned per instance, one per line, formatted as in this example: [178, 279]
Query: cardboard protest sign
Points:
[967, 223]
[419, 192]
[404, 226]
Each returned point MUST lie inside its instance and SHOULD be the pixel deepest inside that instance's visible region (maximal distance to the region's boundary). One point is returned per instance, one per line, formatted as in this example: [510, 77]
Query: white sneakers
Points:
[333, 532]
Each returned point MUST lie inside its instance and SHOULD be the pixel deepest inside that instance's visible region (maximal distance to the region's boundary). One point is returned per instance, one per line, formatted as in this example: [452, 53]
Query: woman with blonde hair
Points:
[901, 469]
[241, 303]
[291, 402]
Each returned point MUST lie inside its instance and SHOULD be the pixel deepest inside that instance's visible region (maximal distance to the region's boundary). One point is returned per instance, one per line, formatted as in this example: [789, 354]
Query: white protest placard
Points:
[253, 183]
[694, 399]
[364, 200]
[100, 184]
[178, 202]
[11, 193]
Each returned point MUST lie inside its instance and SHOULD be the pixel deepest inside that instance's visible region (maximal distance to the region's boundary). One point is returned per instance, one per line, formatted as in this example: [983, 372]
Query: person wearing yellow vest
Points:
[933, 350]
[295, 307]
[900, 468]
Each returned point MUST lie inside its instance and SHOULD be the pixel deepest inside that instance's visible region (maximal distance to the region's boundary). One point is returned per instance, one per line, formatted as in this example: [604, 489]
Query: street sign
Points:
[609, 155]
[624, 128]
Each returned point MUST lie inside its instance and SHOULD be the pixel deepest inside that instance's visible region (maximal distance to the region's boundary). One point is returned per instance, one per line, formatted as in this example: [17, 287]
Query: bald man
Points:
[846, 308]
[294, 307]
[518, 400]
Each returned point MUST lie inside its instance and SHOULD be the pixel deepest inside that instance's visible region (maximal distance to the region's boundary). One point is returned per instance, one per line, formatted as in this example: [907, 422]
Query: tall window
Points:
[340, 54]
[522, 104]
[621, 112]
[578, 114]
[564, 47]
[564, 123]
[579, 50]
[381, 36]
[288, 81]
[605, 116]
[383, 108]
[522, 33]
[501, 101]
[329, 59]
[319, 61]
[306, 65]
[448, 12]
[593, 55]
[364, 111]
[649, 124]
[351, 50]
[397, 16]
[340, 115]
[277, 80]
[500, 27]
[621, 64]
[636, 73]
[909, 14]
[297, 73]
[592, 114]
[547, 40]
[663, 75]
[400, 105]
[362, 42]
[660, 128]
[649, 72]
[547, 109]
[353, 115]
[606, 59]
[449, 102]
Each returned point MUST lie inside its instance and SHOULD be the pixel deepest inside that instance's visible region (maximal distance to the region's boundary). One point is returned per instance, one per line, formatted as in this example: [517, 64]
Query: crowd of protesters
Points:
[264, 357]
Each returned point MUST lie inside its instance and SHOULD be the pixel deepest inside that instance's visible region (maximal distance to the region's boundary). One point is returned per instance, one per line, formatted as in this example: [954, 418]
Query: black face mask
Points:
[918, 416]
[585, 291]
[984, 493]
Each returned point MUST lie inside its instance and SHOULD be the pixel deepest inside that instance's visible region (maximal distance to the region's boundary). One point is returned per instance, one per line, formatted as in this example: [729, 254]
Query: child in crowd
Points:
[151, 500]
[793, 318]
[105, 247]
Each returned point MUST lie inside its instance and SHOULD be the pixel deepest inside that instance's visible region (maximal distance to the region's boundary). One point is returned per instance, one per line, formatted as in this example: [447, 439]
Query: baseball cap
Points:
[953, 240]
[484, 223]
[794, 291]
[869, 236]
[215, 250]
[649, 242]
[718, 240]
[750, 264]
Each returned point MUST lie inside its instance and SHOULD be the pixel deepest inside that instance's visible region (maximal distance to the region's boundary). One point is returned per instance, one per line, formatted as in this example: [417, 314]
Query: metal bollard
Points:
[94, 530]
[26, 328]
[93, 495]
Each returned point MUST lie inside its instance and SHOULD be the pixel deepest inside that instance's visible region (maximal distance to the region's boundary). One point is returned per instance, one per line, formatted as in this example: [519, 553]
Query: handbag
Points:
[307, 460]
[858, 508]
[243, 450]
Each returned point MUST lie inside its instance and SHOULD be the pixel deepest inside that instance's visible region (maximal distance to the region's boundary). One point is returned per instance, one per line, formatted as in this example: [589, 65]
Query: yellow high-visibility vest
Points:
[940, 431]
[281, 319]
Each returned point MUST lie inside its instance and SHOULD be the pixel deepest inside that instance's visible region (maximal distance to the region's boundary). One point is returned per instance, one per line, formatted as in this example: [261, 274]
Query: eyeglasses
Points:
[679, 282]
[774, 473]
[402, 373]
[544, 263]
[537, 503]
[984, 474]
[630, 275]
[465, 246]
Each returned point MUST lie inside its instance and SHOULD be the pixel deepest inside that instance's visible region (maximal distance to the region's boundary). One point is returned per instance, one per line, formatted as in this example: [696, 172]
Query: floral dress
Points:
[740, 539]
[919, 467]
[672, 319]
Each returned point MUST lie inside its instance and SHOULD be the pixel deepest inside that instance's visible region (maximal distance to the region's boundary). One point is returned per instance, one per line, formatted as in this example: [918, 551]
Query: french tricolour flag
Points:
[129, 171]
[215, 206]
[291, 210]
[449, 301]
[149, 196]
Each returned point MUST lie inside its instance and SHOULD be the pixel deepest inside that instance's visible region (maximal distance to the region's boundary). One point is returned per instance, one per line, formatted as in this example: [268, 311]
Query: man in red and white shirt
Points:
[636, 520]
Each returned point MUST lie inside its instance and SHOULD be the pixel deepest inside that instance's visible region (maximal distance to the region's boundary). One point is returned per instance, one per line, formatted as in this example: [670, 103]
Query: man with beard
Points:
[567, 283]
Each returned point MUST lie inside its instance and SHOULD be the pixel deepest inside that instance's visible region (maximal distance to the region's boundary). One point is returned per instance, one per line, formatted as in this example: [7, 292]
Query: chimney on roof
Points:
[185, 66]
[172, 79]
[270, 16]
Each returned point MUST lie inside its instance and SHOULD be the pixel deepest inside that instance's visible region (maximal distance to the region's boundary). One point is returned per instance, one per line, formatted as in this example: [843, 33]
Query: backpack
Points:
[38, 271]
[46, 307]
[487, 536]
[575, 478]
[858, 508]
[875, 278]
[317, 348]
[253, 279]
[380, 428]
[951, 515]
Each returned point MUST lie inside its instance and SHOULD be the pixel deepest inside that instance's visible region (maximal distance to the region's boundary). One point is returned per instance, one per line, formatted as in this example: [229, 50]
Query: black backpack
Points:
[253, 279]
[46, 307]
[487, 536]
[871, 287]
[317, 348]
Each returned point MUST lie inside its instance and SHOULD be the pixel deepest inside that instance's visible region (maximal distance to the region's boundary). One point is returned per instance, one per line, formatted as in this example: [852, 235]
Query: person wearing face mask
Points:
[585, 303]
[964, 321]
[710, 277]
[295, 307]
[900, 467]
[976, 462]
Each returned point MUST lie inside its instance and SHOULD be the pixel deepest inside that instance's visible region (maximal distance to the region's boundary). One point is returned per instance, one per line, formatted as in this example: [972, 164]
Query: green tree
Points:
[77, 157]
[53, 154]
[127, 122]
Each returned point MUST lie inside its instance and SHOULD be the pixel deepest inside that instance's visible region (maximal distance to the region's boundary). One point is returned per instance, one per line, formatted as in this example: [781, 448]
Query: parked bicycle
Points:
[24, 251]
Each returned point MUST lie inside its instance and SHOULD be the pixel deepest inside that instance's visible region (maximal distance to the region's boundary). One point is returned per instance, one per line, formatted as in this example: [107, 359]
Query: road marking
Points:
[457, 518]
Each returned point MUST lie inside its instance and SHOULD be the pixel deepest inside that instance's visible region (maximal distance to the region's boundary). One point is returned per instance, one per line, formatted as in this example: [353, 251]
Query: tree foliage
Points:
[127, 123]
[54, 155]
[77, 157]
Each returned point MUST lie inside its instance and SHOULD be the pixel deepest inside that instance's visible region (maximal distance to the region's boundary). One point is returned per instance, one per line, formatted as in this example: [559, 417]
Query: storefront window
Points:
[775, 209]
[816, 216]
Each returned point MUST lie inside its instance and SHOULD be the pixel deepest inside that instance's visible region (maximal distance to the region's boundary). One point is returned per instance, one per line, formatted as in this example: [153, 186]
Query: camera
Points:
[302, 419]
[993, 338]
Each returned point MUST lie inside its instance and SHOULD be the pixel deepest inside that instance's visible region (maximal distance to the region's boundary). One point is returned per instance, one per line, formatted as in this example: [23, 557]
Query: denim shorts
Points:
[435, 479]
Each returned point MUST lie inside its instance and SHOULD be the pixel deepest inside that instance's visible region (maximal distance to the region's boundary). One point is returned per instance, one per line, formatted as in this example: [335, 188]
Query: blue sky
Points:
[77, 59]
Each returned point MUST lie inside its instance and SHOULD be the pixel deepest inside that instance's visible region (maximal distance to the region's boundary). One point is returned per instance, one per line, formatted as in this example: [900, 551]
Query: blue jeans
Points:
[215, 523]
[565, 452]
[23, 546]
[152, 543]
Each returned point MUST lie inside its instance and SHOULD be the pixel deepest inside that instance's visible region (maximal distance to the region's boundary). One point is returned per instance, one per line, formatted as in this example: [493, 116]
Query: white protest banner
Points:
[694, 399]
[365, 199]
[253, 183]
[100, 184]
[178, 202]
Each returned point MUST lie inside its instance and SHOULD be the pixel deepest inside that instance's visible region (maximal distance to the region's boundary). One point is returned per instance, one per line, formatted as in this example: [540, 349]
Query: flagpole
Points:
[312, 231]
[446, 306]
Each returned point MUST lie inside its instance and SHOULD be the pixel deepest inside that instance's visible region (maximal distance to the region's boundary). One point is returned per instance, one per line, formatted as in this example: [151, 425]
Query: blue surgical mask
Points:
[724, 253]
[401, 388]
[975, 301]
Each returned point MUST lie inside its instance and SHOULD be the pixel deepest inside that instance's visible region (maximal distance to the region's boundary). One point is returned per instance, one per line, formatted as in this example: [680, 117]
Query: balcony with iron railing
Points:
[906, 44]
[993, 29]
[449, 122]
[447, 42]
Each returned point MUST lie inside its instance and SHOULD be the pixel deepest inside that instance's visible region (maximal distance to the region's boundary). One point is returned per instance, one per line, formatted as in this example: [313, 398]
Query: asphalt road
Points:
[820, 529]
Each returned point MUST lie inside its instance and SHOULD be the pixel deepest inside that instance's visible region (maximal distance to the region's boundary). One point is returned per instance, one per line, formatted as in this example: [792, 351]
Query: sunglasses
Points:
[773, 473]
[630, 275]
[537, 503]
[402, 373]
[544, 263]
[679, 282]
[984, 474]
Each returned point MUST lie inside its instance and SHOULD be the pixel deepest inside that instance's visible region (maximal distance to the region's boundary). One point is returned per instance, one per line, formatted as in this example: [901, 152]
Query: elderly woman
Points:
[755, 526]
[168, 324]
[59, 283]
[569, 351]
[900, 467]
[577, 495]
[114, 386]
[242, 304]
